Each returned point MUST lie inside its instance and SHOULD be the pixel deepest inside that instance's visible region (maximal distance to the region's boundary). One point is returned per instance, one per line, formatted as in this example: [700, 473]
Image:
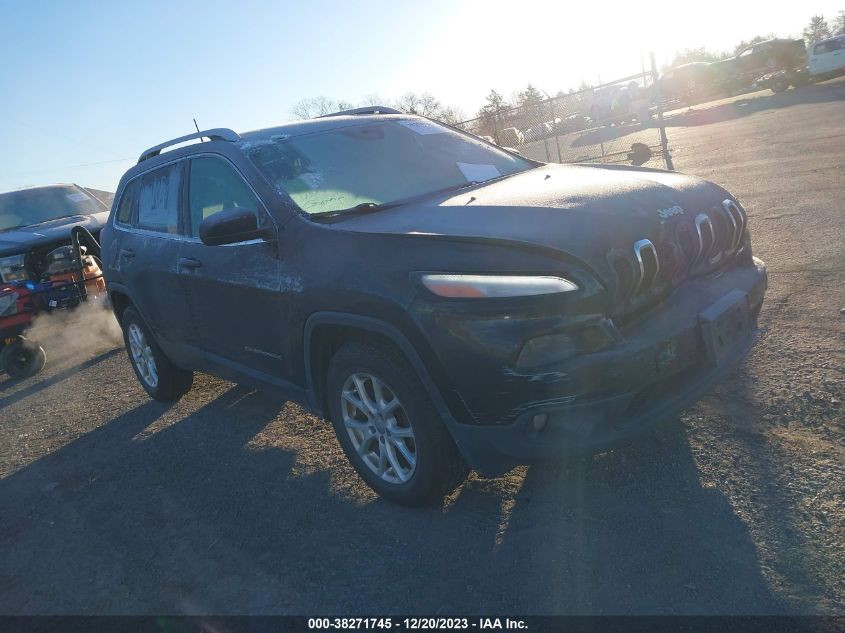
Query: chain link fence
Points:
[616, 122]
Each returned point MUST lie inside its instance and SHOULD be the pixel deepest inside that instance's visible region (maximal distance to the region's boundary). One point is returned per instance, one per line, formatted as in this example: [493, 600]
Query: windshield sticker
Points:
[76, 197]
[423, 127]
[478, 173]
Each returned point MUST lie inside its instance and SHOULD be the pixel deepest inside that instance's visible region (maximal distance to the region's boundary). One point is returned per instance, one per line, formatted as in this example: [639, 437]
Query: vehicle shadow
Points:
[632, 531]
[158, 511]
[608, 133]
[793, 478]
[705, 114]
[109, 516]
[40, 383]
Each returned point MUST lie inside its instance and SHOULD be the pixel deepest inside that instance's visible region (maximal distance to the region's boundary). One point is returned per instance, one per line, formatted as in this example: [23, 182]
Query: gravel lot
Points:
[232, 501]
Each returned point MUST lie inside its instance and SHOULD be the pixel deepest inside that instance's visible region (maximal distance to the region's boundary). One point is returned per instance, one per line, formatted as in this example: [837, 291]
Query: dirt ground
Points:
[233, 502]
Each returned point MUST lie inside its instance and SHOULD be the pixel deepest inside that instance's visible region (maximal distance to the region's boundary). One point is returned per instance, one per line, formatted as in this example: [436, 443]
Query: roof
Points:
[299, 128]
[221, 137]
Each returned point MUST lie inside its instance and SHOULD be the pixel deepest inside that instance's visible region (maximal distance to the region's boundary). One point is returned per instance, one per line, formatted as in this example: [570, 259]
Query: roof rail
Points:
[217, 134]
[374, 109]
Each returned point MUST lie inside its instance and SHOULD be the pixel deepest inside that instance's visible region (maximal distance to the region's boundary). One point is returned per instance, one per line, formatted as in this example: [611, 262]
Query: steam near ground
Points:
[85, 331]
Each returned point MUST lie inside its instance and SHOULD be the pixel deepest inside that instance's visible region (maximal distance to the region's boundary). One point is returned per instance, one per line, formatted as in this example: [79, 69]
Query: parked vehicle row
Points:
[776, 64]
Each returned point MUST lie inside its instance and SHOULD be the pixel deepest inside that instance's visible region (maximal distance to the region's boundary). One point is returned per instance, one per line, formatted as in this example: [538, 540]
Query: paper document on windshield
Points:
[478, 173]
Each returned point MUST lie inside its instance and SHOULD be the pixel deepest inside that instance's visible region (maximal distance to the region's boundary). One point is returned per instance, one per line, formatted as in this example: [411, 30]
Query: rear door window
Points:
[127, 202]
[158, 199]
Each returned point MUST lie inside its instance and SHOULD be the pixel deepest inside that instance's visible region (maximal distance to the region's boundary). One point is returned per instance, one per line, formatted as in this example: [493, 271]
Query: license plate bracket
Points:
[725, 325]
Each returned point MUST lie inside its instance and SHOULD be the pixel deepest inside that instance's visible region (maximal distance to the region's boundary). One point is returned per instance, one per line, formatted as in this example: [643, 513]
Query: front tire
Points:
[389, 428]
[160, 378]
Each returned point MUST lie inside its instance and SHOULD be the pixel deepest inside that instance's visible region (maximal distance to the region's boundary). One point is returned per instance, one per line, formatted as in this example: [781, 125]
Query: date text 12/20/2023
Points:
[413, 624]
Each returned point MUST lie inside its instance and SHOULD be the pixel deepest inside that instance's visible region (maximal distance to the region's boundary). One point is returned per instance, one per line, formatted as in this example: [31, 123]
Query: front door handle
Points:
[189, 263]
[126, 253]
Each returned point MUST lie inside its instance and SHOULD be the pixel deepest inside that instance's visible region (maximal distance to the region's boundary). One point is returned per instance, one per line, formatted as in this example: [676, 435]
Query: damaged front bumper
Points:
[661, 364]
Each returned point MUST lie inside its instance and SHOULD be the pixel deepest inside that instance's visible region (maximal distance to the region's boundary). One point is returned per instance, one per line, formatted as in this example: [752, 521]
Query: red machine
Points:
[72, 275]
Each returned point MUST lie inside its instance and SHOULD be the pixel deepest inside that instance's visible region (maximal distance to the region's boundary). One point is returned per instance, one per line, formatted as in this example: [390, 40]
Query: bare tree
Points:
[451, 115]
[373, 99]
[424, 104]
[317, 106]
[817, 29]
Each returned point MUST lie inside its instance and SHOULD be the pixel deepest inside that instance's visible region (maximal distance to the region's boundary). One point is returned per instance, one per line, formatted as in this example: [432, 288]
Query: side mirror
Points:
[229, 226]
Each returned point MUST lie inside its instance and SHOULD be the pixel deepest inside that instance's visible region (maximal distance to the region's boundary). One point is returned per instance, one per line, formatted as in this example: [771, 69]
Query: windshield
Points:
[376, 163]
[33, 206]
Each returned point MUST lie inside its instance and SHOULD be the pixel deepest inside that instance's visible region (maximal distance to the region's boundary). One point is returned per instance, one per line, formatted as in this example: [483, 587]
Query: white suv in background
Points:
[827, 57]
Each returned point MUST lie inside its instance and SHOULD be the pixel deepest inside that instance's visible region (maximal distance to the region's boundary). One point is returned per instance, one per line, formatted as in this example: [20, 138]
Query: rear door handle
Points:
[126, 253]
[189, 263]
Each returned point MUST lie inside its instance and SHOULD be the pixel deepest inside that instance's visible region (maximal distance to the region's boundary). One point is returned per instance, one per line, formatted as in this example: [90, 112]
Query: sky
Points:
[86, 86]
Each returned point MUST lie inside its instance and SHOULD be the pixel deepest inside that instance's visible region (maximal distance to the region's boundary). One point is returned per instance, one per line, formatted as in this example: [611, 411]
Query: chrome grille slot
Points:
[706, 237]
[649, 264]
[738, 220]
[722, 235]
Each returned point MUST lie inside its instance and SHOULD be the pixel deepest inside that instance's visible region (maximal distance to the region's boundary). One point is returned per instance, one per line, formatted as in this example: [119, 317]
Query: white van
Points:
[827, 57]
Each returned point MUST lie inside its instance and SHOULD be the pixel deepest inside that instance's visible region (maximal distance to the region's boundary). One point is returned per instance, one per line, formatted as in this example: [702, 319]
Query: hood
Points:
[20, 240]
[600, 215]
[586, 211]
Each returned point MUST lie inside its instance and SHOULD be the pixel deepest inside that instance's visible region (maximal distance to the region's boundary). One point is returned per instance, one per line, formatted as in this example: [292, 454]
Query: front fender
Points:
[381, 328]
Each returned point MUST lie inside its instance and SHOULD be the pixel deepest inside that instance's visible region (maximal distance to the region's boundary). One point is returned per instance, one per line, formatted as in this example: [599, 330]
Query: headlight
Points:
[12, 268]
[489, 286]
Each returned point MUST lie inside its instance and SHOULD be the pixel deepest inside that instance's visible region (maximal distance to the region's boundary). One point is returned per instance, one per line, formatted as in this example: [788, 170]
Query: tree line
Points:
[426, 104]
[423, 104]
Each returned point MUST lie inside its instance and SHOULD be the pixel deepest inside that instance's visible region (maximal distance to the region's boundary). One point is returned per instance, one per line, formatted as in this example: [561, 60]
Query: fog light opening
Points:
[538, 422]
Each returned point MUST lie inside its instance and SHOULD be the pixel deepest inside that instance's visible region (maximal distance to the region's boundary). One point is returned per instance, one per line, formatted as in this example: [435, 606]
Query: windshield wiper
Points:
[371, 207]
[358, 209]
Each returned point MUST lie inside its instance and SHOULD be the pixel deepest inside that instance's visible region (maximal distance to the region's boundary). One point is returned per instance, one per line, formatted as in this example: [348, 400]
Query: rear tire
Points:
[159, 377]
[22, 358]
[393, 435]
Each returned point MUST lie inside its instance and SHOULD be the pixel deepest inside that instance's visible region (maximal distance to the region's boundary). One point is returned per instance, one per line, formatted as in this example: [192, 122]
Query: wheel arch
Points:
[326, 331]
[120, 299]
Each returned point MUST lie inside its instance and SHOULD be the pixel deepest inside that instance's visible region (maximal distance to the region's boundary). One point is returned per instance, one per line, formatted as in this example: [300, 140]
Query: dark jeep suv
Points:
[447, 304]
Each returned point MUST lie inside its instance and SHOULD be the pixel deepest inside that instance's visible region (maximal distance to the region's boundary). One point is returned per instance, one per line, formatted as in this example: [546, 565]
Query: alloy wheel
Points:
[378, 427]
[142, 356]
